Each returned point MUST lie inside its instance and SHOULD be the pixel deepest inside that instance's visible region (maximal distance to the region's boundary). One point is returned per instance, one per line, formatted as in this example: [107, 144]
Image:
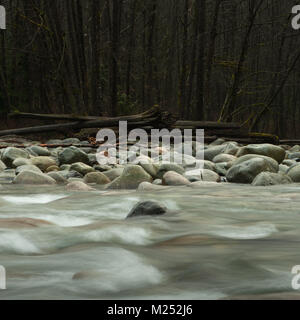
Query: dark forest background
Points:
[226, 60]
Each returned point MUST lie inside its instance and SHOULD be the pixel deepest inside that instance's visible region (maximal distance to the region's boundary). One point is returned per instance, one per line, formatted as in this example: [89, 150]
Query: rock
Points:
[92, 158]
[52, 168]
[31, 177]
[147, 208]
[202, 175]
[169, 167]
[65, 167]
[131, 177]
[43, 162]
[72, 155]
[270, 179]
[289, 163]
[20, 162]
[96, 177]
[231, 148]
[28, 167]
[217, 142]
[265, 149]
[147, 164]
[78, 186]
[294, 155]
[223, 157]
[157, 182]
[2, 166]
[147, 186]
[102, 168]
[114, 173]
[201, 184]
[246, 171]
[273, 163]
[10, 154]
[7, 176]
[39, 151]
[283, 168]
[70, 174]
[294, 173]
[57, 177]
[172, 178]
[295, 148]
[71, 141]
[222, 168]
[211, 152]
[82, 168]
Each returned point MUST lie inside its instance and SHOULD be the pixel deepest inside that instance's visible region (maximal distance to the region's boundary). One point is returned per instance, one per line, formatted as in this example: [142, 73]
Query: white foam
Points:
[13, 242]
[33, 199]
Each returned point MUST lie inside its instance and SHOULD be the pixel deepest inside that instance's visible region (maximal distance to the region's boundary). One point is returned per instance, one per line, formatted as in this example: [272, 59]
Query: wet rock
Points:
[289, 163]
[7, 176]
[157, 182]
[78, 186]
[71, 141]
[273, 163]
[130, 178]
[113, 173]
[10, 154]
[72, 155]
[2, 166]
[265, 149]
[52, 168]
[202, 175]
[82, 168]
[102, 167]
[147, 186]
[270, 179]
[96, 177]
[43, 162]
[217, 142]
[294, 173]
[222, 168]
[294, 155]
[70, 174]
[223, 157]
[33, 178]
[147, 208]
[57, 177]
[39, 151]
[28, 167]
[20, 162]
[172, 178]
[246, 171]
[283, 168]
[211, 152]
[169, 167]
[231, 148]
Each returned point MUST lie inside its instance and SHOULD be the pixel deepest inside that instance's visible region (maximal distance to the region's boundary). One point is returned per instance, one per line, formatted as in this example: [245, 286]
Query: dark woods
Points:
[227, 60]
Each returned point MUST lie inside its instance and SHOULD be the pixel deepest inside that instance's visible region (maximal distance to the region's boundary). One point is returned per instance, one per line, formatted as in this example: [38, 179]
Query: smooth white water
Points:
[220, 241]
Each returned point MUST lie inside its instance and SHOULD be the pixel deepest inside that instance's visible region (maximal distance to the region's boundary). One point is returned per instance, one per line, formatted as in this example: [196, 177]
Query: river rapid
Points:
[218, 241]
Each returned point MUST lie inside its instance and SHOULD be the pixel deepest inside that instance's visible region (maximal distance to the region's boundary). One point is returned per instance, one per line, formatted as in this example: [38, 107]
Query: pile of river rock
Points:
[77, 167]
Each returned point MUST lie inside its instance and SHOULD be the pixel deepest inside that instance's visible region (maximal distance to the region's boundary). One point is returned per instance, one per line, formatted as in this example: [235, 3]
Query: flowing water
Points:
[220, 241]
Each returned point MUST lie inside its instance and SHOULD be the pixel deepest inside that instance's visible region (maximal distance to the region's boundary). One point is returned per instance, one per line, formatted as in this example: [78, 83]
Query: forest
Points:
[217, 60]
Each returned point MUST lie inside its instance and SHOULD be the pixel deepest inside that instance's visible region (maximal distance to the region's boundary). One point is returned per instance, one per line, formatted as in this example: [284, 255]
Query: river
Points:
[219, 241]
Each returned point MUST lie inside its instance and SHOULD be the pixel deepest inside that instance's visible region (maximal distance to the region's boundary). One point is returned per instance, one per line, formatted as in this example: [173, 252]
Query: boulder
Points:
[52, 168]
[172, 178]
[223, 157]
[147, 208]
[270, 179]
[10, 154]
[2, 166]
[147, 186]
[78, 186]
[169, 167]
[28, 167]
[33, 178]
[113, 173]
[72, 155]
[82, 168]
[39, 151]
[273, 163]
[20, 162]
[294, 173]
[96, 177]
[60, 179]
[264, 149]
[202, 175]
[246, 171]
[211, 152]
[130, 178]
[43, 162]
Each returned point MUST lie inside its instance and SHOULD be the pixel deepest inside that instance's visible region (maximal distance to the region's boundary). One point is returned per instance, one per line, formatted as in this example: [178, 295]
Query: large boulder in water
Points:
[34, 178]
[271, 179]
[130, 178]
[147, 208]
[11, 153]
[273, 163]
[246, 171]
[264, 149]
